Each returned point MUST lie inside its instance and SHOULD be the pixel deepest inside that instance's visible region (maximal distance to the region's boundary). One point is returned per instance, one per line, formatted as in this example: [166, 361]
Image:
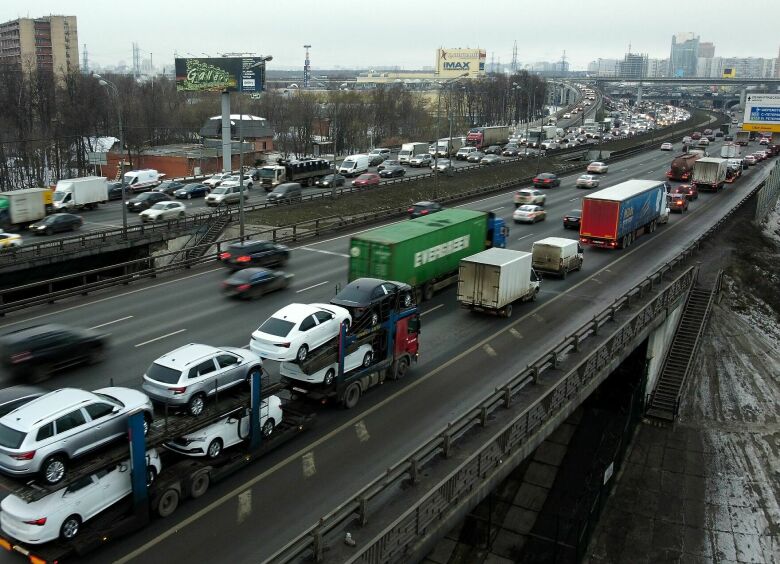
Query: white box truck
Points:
[556, 255]
[448, 147]
[409, 150]
[709, 173]
[19, 208]
[354, 165]
[491, 281]
[80, 193]
[729, 151]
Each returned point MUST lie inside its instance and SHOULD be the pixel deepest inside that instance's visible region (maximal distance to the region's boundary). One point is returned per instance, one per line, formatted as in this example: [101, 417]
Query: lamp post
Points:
[259, 63]
[436, 141]
[539, 150]
[111, 87]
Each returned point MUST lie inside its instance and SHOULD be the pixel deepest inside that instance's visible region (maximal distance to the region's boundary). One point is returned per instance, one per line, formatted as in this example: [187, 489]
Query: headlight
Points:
[196, 440]
[41, 227]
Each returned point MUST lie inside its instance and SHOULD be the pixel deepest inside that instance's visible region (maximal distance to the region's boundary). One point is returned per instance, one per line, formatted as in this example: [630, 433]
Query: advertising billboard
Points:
[456, 62]
[215, 74]
[762, 112]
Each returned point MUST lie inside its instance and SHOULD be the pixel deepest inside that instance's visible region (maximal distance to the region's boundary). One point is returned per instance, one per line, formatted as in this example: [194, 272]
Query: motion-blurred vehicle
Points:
[366, 179]
[57, 223]
[687, 190]
[529, 196]
[163, 211]
[597, 168]
[190, 191]
[546, 180]
[331, 180]
[168, 187]
[423, 208]
[243, 254]
[529, 213]
[475, 157]
[678, 202]
[490, 160]
[396, 171]
[146, 200]
[10, 240]
[255, 282]
[571, 220]
[667, 147]
[587, 181]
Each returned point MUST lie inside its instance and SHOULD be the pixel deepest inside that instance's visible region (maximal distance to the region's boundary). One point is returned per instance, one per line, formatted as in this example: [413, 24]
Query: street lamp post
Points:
[436, 141]
[111, 87]
[539, 150]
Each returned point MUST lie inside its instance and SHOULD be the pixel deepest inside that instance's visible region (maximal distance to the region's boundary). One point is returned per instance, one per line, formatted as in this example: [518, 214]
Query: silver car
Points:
[224, 195]
[185, 377]
[45, 434]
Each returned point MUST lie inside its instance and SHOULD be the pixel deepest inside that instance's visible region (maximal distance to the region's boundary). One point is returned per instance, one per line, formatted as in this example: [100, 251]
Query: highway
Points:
[463, 356]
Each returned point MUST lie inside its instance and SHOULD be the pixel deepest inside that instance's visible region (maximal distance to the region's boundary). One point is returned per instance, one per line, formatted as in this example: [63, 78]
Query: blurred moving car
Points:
[493, 150]
[190, 191]
[421, 160]
[529, 213]
[260, 252]
[667, 147]
[688, 190]
[146, 200]
[366, 179]
[8, 240]
[57, 223]
[115, 191]
[423, 208]
[386, 164]
[587, 181]
[331, 180]
[255, 282]
[441, 165]
[168, 187]
[286, 193]
[597, 168]
[750, 159]
[529, 196]
[678, 202]
[572, 219]
[395, 171]
[546, 180]
[163, 211]
[490, 160]
[475, 157]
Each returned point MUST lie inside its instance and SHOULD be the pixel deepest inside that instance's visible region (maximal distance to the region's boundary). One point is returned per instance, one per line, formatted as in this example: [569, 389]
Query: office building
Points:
[603, 67]
[633, 66]
[45, 44]
[684, 55]
[706, 50]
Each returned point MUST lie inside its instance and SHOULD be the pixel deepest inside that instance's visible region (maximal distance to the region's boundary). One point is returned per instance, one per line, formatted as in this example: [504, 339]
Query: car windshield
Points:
[163, 374]
[144, 196]
[357, 294]
[527, 208]
[276, 327]
[422, 156]
[11, 438]
[159, 206]
[241, 277]
[110, 399]
[58, 196]
[220, 190]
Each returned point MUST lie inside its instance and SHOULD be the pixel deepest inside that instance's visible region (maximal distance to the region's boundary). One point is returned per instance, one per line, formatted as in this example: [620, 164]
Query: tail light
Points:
[243, 287]
[410, 210]
[244, 259]
[24, 455]
[224, 256]
[40, 522]
[178, 391]
[424, 212]
[284, 345]
[21, 357]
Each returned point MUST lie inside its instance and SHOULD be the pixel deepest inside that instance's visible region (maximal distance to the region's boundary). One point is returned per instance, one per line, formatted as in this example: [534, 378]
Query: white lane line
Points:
[345, 255]
[160, 337]
[310, 287]
[499, 208]
[112, 322]
[525, 236]
[434, 308]
[573, 199]
[102, 224]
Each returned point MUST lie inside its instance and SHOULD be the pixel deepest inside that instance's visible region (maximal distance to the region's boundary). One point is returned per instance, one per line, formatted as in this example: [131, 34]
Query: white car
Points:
[227, 432]
[235, 180]
[529, 196]
[566, 116]
[163, 211]
[587, 181]
[529, 214]
[62, 513]
[441, 165]
[8, 240]
[597, 167]
[293, 331]
[667, 146]
[216, 179]
[363, 357]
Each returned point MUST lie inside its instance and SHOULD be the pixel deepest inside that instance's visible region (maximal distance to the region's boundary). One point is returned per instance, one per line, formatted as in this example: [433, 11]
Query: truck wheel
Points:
[401, 368]
[329, 376]
[168, 503]
[200, 484]
[564, 272]
[507, 311]
[428, 292]
[351, 395]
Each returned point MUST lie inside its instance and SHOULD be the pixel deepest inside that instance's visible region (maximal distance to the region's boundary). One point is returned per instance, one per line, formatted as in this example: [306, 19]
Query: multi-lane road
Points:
[265, 505]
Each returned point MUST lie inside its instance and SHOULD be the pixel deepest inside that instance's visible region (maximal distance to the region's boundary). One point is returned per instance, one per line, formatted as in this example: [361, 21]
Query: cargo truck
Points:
[305, 172]
[80, 193]
[19, 208]
[742, 138]
[483, 137]
[409, 150]
[448, 147]
[614, 217]
[557, 255]
[493, 280]
[729, 151]
[425, 252]
[682, 166]
[709, 174]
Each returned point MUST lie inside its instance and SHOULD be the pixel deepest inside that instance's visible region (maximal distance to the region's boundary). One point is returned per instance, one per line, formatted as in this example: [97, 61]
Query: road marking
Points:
[498, 208]
[309, 468]
[573, 199]
[434, 308]
[525, 236]
[310, 287]
[244, 506]
[323, 251]
[362, 431]
[515, 333]
[489, 350]
[111, 322]
[160, 338]
[102, 224]
[597, 281]
[538, 317]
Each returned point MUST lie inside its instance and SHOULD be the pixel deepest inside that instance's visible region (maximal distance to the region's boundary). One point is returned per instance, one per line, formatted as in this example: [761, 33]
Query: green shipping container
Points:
[419, 250]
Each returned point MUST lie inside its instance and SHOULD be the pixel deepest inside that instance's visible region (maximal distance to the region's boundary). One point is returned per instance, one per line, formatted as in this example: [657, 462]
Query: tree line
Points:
[49, 124]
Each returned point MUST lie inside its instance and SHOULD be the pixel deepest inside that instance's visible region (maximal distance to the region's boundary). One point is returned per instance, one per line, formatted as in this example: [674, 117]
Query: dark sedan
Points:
[386, 164]
[115, 191]
[572, 219]
[169, 187]
[57, 223]
[192, 191]
[475, 157]
[689, 190]
[330, 180]
[493, 150]
[376, 159]
[255, 282]
[146, 200]
[36, 352]
[546, 180]
[421, 209]
[392, 172]
[374, 299]
[510, 151]
[254, 253]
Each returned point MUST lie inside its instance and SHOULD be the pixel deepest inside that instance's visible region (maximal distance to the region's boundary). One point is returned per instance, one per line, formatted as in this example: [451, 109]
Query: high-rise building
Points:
[657, 68]
[706, 50]
[48, 44]
[777, 64]
[633, 66]
[685, 51]
[603, 67]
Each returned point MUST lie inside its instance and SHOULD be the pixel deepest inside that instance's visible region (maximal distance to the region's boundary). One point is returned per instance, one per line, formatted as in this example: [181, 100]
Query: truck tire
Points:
[399, 368]
[564, 272]
[351, 396]
[507, 311]
[168, 502]
[200, 484]
[428, 292]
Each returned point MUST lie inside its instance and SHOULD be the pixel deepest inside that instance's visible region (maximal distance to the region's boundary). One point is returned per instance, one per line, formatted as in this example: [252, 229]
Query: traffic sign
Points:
[762, 112]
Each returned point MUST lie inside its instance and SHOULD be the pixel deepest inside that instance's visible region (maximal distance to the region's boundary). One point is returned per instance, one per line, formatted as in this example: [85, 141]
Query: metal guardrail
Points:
[310, 544]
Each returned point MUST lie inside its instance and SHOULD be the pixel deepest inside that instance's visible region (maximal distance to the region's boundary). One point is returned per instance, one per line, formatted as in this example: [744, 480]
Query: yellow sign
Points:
[768, 127]
[458, 62]
[729, 72]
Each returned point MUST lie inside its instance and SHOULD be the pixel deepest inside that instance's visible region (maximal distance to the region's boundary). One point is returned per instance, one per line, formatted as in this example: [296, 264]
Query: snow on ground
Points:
[771, 225]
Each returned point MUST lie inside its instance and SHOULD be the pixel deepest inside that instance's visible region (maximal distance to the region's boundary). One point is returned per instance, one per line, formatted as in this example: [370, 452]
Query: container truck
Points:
[19, 208]
[614, 217]
[550, 132]
[729, 151]
[742, 138]
[709, 174]
[534, 138]
[483, 137]
[80, 193]
[305, 172]
[448, 147]
[682, 166]
[491, 281]
[409, 150]
[557, 255]
[425, 252]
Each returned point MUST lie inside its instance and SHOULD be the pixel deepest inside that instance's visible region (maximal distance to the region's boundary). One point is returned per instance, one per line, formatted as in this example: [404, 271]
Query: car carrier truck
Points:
[613, 217]
[425, 252]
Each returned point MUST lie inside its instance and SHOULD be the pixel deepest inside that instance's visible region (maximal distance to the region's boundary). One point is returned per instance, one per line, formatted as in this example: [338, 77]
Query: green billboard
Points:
[217, 74]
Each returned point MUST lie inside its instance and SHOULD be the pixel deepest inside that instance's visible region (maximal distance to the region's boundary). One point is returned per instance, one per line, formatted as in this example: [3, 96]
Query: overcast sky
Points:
[406, 33]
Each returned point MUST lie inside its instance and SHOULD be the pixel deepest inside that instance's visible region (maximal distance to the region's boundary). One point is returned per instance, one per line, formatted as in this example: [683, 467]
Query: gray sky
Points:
[406, 33]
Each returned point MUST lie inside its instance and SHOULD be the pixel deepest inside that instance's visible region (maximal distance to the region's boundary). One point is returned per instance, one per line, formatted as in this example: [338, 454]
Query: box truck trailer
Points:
[80, 193]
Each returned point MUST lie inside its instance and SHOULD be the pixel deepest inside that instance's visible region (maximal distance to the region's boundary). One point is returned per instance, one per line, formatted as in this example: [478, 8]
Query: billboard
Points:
[729, 72]
[215, 74]
[456, 62]
[762, 112]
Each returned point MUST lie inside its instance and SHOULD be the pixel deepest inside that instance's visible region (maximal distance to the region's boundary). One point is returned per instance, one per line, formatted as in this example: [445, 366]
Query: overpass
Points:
[682, 81]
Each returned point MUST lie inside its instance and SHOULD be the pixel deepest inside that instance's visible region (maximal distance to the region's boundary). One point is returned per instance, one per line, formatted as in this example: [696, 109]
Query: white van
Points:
[556, 255]
[140, 180]
[354, 165]
[464, 152]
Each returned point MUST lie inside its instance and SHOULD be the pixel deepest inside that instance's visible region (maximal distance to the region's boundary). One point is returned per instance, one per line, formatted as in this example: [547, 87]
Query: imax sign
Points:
[463, 66]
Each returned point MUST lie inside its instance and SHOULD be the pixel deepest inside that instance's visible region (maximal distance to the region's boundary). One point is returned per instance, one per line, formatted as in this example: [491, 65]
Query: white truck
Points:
[448, 147]
[409, 150]
[80, 193]
[143, 179]
[550, 131]
[556, 255]
[729, 151]
[709, 173]
[354, 165]
[491, 281]
[19, 208]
